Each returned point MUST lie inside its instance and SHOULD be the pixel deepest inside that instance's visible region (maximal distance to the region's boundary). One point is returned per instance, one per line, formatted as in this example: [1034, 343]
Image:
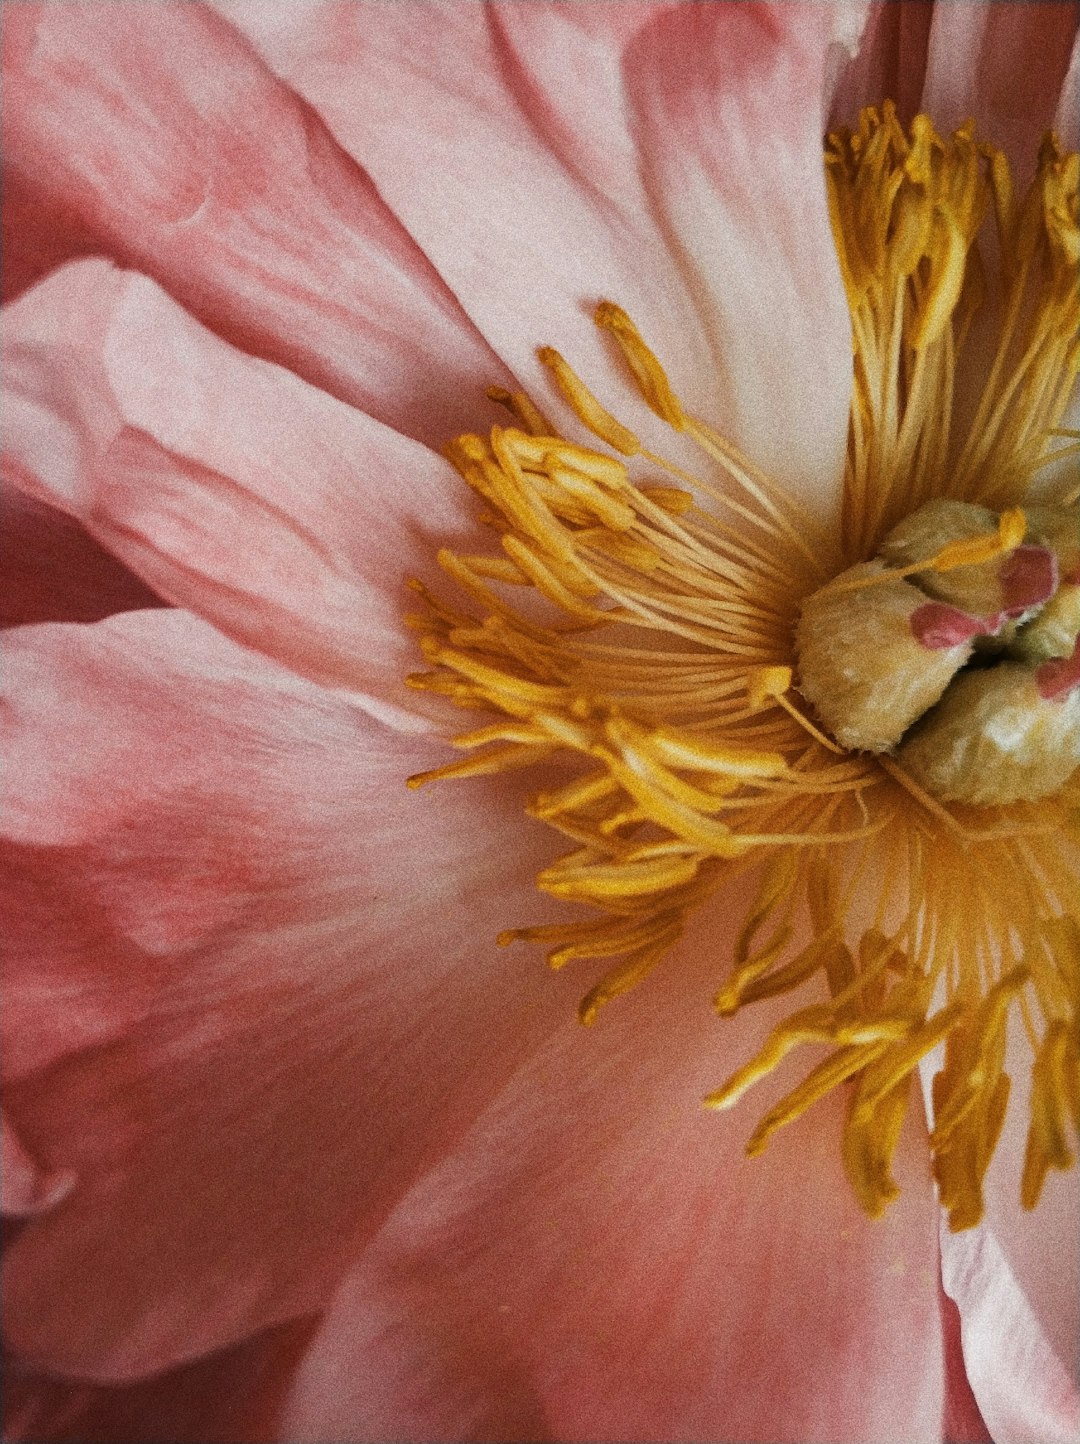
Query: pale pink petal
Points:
[1027, 1393]
[730, 104]
[227, 1398]
[1067, 119]
[538, 157]
[525, 195]
[52, 569]
[1016, 1282]
[599, 1261]
[962, 1423]
[230, 486]
[890, 63]
[252, 986]
[1003, 64]
[24, 1188]
[167, 139]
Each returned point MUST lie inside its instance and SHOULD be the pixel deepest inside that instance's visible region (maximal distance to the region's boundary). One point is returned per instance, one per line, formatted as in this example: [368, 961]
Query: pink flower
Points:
[295, 1151]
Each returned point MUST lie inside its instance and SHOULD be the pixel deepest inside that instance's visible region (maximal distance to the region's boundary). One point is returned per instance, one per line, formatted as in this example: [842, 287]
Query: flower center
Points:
[960, 627]
[883, 728]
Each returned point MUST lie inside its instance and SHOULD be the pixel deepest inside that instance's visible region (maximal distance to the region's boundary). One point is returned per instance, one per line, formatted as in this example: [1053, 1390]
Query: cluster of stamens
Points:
[720, 690]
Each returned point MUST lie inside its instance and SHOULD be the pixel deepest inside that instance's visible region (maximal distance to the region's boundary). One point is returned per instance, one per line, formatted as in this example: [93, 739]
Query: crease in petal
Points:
[224, 482]
[213, 1015]
[1026, 1392]
[729, 103]
[596, 1262]
[53, 570]
[25, 1189]
[170, 145]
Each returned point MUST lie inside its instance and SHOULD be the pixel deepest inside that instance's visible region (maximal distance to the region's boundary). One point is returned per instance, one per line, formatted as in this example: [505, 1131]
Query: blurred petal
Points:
[599, 1261]
[1003, 63]
[231, 487]
[214, 1013]
[24, 1188]
[161, 135]
[1067, 119]
[227, 1398]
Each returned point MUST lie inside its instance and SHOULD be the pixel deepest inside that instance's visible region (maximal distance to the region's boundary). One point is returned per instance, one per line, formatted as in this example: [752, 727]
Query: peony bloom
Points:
[292, 1149]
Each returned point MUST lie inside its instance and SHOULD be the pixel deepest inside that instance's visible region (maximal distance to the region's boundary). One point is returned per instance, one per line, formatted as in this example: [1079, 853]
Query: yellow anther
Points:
[765, 684]
[648, 373]
[970, 551]
[672, 499]
[586, 407]
[519, 404]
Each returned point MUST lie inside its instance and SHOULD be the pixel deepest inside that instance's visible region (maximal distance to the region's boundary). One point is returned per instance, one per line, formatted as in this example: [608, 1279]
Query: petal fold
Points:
[1025, 1390]
[251, 984]
[165, 141]
[730, 105]
[599, 1261]
[227, 484]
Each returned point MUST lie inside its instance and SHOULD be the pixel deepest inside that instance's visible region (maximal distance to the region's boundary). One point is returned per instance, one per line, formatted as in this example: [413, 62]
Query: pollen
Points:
[880, 727]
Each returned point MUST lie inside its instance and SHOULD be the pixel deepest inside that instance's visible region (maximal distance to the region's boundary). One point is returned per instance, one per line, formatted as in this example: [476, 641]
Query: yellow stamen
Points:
[640, 625]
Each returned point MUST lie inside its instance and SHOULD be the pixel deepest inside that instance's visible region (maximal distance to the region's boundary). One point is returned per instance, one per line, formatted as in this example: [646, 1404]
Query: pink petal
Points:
[166, 139]
[513, 121]
[227, 484]
[252, 984]
[24, 1188]
[1067, 119]
[1026, 1391]
[1016, 1282]
[598, 1261]
[890, 63]
[521, 189]
[53, 570]
[963, 1424]
[36, 236]
[730, 104]
[228, 1398]
[1003, 63]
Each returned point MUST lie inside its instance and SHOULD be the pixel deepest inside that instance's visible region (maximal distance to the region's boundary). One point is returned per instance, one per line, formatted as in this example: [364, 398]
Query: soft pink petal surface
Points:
[229, 485]
[599, 1261]
[1016, 1280]
[1026, 1391]
[581, 161]
[160, 134]
[1003, 63]
[962, 1422]
[231, 1397]
[213, 1013]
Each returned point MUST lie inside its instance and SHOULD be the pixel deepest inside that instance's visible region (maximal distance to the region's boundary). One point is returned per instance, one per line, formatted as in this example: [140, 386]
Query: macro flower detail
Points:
[293, 1150]
[883, 719]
